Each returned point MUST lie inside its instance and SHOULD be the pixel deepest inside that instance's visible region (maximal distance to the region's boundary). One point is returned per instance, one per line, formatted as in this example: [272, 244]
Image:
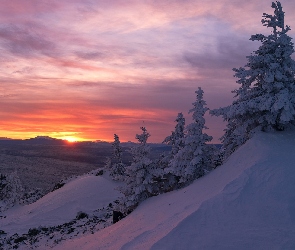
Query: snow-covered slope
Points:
[248, 203]
[85, 194]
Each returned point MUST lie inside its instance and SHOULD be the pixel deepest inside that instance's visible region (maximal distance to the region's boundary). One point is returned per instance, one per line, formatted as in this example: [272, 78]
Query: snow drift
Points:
[248, 203]
[85, 194]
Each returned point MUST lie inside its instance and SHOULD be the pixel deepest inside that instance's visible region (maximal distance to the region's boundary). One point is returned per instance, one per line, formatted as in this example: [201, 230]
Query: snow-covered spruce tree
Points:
[169, 180]
[139, 179]
[11, 191]
[265, 99]
[108, 163]
[176, 137]
[117, 169]
[196, 157]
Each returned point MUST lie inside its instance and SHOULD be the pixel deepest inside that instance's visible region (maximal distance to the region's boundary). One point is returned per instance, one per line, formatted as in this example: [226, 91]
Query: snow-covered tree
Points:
[176, 137]
[117, 169]
[176, 140]
[196, 156]
[139, 179]
[117, 149]
[11, 190]
[108, 163]
[265, 99]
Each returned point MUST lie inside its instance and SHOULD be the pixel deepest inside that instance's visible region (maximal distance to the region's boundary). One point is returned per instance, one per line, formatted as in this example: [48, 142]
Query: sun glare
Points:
[71, 138]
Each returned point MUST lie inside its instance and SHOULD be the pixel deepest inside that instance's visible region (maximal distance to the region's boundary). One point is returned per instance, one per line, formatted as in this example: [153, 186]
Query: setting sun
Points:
[71, 138]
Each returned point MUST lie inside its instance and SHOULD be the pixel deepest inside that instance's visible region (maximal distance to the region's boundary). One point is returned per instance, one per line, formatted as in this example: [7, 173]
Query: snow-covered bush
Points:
[265, 99]
[31, 196]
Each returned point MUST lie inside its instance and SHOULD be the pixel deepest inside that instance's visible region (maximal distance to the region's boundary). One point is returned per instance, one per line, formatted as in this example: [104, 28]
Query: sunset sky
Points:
[91, 68]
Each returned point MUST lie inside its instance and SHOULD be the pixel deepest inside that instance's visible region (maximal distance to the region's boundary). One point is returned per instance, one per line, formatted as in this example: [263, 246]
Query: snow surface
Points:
[248, 203]
[85, 194]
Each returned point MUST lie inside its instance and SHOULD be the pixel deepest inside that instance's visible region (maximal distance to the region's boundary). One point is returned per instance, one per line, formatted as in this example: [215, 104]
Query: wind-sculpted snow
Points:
[247, 203]
[254, 211]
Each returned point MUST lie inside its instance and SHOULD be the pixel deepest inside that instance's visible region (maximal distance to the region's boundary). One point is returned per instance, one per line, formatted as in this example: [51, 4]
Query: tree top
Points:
[277, 20]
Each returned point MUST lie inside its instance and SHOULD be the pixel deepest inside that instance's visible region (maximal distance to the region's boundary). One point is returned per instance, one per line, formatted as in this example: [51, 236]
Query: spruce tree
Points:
[117, 169]
[196, 156]
[176, 140]
[265, 99]
[176, 137]
[139, 179]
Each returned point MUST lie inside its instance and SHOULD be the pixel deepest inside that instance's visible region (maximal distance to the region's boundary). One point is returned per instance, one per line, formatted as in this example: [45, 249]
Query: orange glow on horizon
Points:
[71, 139]
[84, 122]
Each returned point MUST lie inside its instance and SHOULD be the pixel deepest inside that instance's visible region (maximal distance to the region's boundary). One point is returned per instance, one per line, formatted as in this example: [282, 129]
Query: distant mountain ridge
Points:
[5, 138]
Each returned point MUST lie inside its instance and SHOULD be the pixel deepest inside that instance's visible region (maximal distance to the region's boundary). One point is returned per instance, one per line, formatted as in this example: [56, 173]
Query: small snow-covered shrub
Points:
[81, 215]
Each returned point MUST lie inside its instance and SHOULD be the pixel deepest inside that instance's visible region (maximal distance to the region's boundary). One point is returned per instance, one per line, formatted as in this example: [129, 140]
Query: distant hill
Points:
[37, 140]
[5, 139]
[40, 140]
